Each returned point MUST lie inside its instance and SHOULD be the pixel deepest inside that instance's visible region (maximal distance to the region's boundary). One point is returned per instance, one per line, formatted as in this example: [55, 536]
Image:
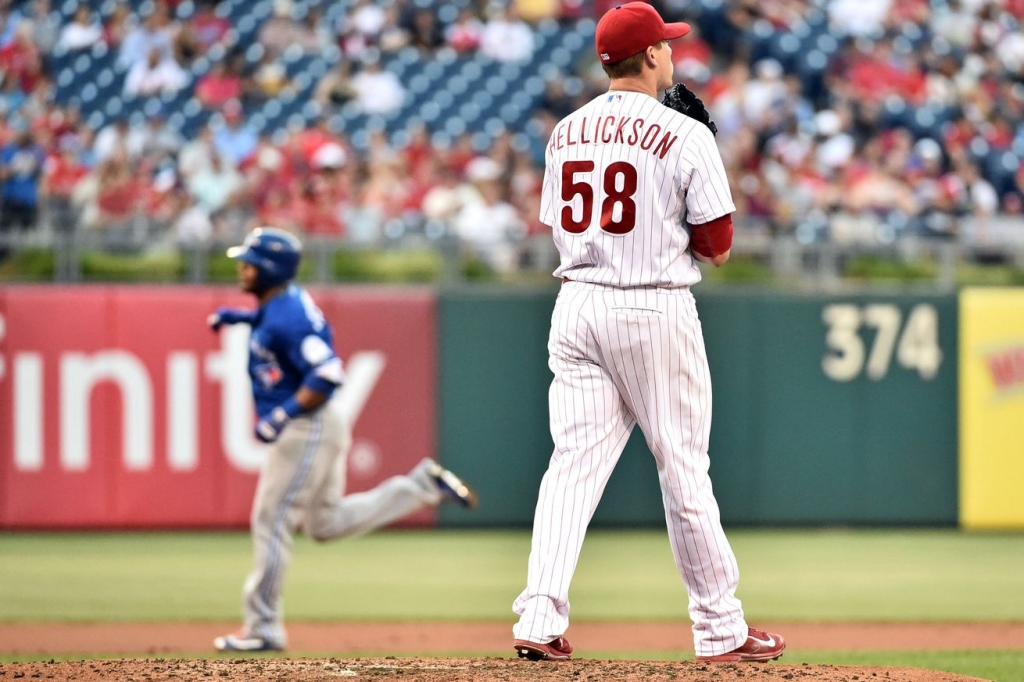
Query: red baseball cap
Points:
[627, 29]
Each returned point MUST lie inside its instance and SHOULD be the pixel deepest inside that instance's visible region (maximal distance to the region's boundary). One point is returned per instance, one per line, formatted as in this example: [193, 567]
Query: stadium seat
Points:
[429, 112]
[895, 113]
[433, 71]
[185, 10]
[291, 105]
[254, 53]
[82, 64]
[247, 29]
[811, 70]
[60, 59]
[257, 122]
[261, 10]
[444, 98]
[497, 85]
[96, 120]
[176, 100]
[199, 67]
[455, 126]
[1000, 169]
[175, 121]
[483, 99]
[510, 72]
[928, 121]
[112, 108]
[194, 123]
[827, 43]
[88, 94]
[418, 85]
[470, 112]
[458, 85]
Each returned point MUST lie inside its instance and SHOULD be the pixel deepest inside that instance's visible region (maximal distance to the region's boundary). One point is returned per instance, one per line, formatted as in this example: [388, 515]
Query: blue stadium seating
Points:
[450, 94]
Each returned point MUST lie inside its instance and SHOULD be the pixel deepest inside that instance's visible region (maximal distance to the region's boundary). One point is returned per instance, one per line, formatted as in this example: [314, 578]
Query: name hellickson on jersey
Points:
[611, 129]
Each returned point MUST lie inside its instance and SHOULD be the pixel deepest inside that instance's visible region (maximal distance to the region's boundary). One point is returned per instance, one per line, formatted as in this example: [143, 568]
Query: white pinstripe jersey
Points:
[623, 175]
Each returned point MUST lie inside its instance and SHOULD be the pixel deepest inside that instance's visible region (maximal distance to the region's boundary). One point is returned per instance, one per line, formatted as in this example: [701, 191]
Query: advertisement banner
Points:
[119, 408]
[991, 408]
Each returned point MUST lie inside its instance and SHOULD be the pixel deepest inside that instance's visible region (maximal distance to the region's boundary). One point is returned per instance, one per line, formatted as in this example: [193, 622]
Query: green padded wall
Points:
[868, 442]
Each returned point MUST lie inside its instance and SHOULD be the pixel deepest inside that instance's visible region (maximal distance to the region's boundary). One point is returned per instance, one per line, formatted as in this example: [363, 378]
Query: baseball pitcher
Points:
[635, 192]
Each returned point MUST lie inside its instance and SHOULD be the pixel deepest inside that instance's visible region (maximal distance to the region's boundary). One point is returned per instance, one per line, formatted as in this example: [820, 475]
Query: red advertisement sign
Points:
[120, 409]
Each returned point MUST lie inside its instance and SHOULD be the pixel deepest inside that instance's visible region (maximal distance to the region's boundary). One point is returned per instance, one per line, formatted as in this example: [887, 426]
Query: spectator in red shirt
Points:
[959, 133]
[692, 49]
[219, 86]
[206, 27]
[265, 171]
[998, 133]
[327, 193]
[418, 151]
[281, 209]
[463, 36]
[322, 215]
[121, 192]
[309, 141]
[118, 25]
[62, 171]
[20, 58]
[461, 153]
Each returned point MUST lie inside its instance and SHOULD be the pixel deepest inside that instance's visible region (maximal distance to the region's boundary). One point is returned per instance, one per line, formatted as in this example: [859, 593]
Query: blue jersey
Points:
[291, 345]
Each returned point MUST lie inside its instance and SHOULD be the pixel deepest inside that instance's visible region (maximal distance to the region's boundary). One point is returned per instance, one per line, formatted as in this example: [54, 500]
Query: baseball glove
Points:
[683, 100]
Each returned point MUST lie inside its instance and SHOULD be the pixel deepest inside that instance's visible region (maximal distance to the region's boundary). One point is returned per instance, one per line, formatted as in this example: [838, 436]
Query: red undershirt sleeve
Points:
[713, 238]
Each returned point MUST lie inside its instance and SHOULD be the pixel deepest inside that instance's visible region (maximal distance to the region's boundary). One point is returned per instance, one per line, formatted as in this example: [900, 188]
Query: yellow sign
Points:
[992, 408]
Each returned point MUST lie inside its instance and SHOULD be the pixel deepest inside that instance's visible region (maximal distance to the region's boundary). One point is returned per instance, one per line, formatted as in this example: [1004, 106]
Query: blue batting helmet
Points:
[274, 252]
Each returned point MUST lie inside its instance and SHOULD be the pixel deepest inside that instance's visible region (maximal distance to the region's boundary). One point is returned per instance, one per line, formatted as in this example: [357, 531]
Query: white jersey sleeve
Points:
[547, 199]
[705, 182]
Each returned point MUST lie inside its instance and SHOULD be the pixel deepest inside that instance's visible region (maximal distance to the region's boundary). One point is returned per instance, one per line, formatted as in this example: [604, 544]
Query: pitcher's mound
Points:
[454, 670]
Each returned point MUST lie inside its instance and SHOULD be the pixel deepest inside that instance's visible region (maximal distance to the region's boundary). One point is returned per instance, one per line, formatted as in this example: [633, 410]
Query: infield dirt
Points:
[444, 670]
[190, 640]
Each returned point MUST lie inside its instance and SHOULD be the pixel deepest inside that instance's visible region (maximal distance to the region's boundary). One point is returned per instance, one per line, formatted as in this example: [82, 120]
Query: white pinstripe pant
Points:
[623, 357]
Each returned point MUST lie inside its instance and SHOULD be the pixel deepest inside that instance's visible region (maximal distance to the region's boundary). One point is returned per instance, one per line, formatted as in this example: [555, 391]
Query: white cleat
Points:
[242, 642]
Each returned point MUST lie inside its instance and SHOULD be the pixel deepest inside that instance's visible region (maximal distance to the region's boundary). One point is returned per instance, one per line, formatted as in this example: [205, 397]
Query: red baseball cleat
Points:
[557, 649]
[760, 646]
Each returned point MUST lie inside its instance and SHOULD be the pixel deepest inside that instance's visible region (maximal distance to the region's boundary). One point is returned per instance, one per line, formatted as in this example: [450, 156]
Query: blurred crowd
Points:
[915, 124]
[860, 120]
[838, 120]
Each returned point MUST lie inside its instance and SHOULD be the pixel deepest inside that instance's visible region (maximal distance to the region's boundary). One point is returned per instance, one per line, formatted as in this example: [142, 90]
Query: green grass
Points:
[100, 266]
[475, 575]
[892, 575]
[988, 664]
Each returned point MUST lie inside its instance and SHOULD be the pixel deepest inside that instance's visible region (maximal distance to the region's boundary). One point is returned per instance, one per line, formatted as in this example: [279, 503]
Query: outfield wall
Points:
[827, 410]
[118, 408]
